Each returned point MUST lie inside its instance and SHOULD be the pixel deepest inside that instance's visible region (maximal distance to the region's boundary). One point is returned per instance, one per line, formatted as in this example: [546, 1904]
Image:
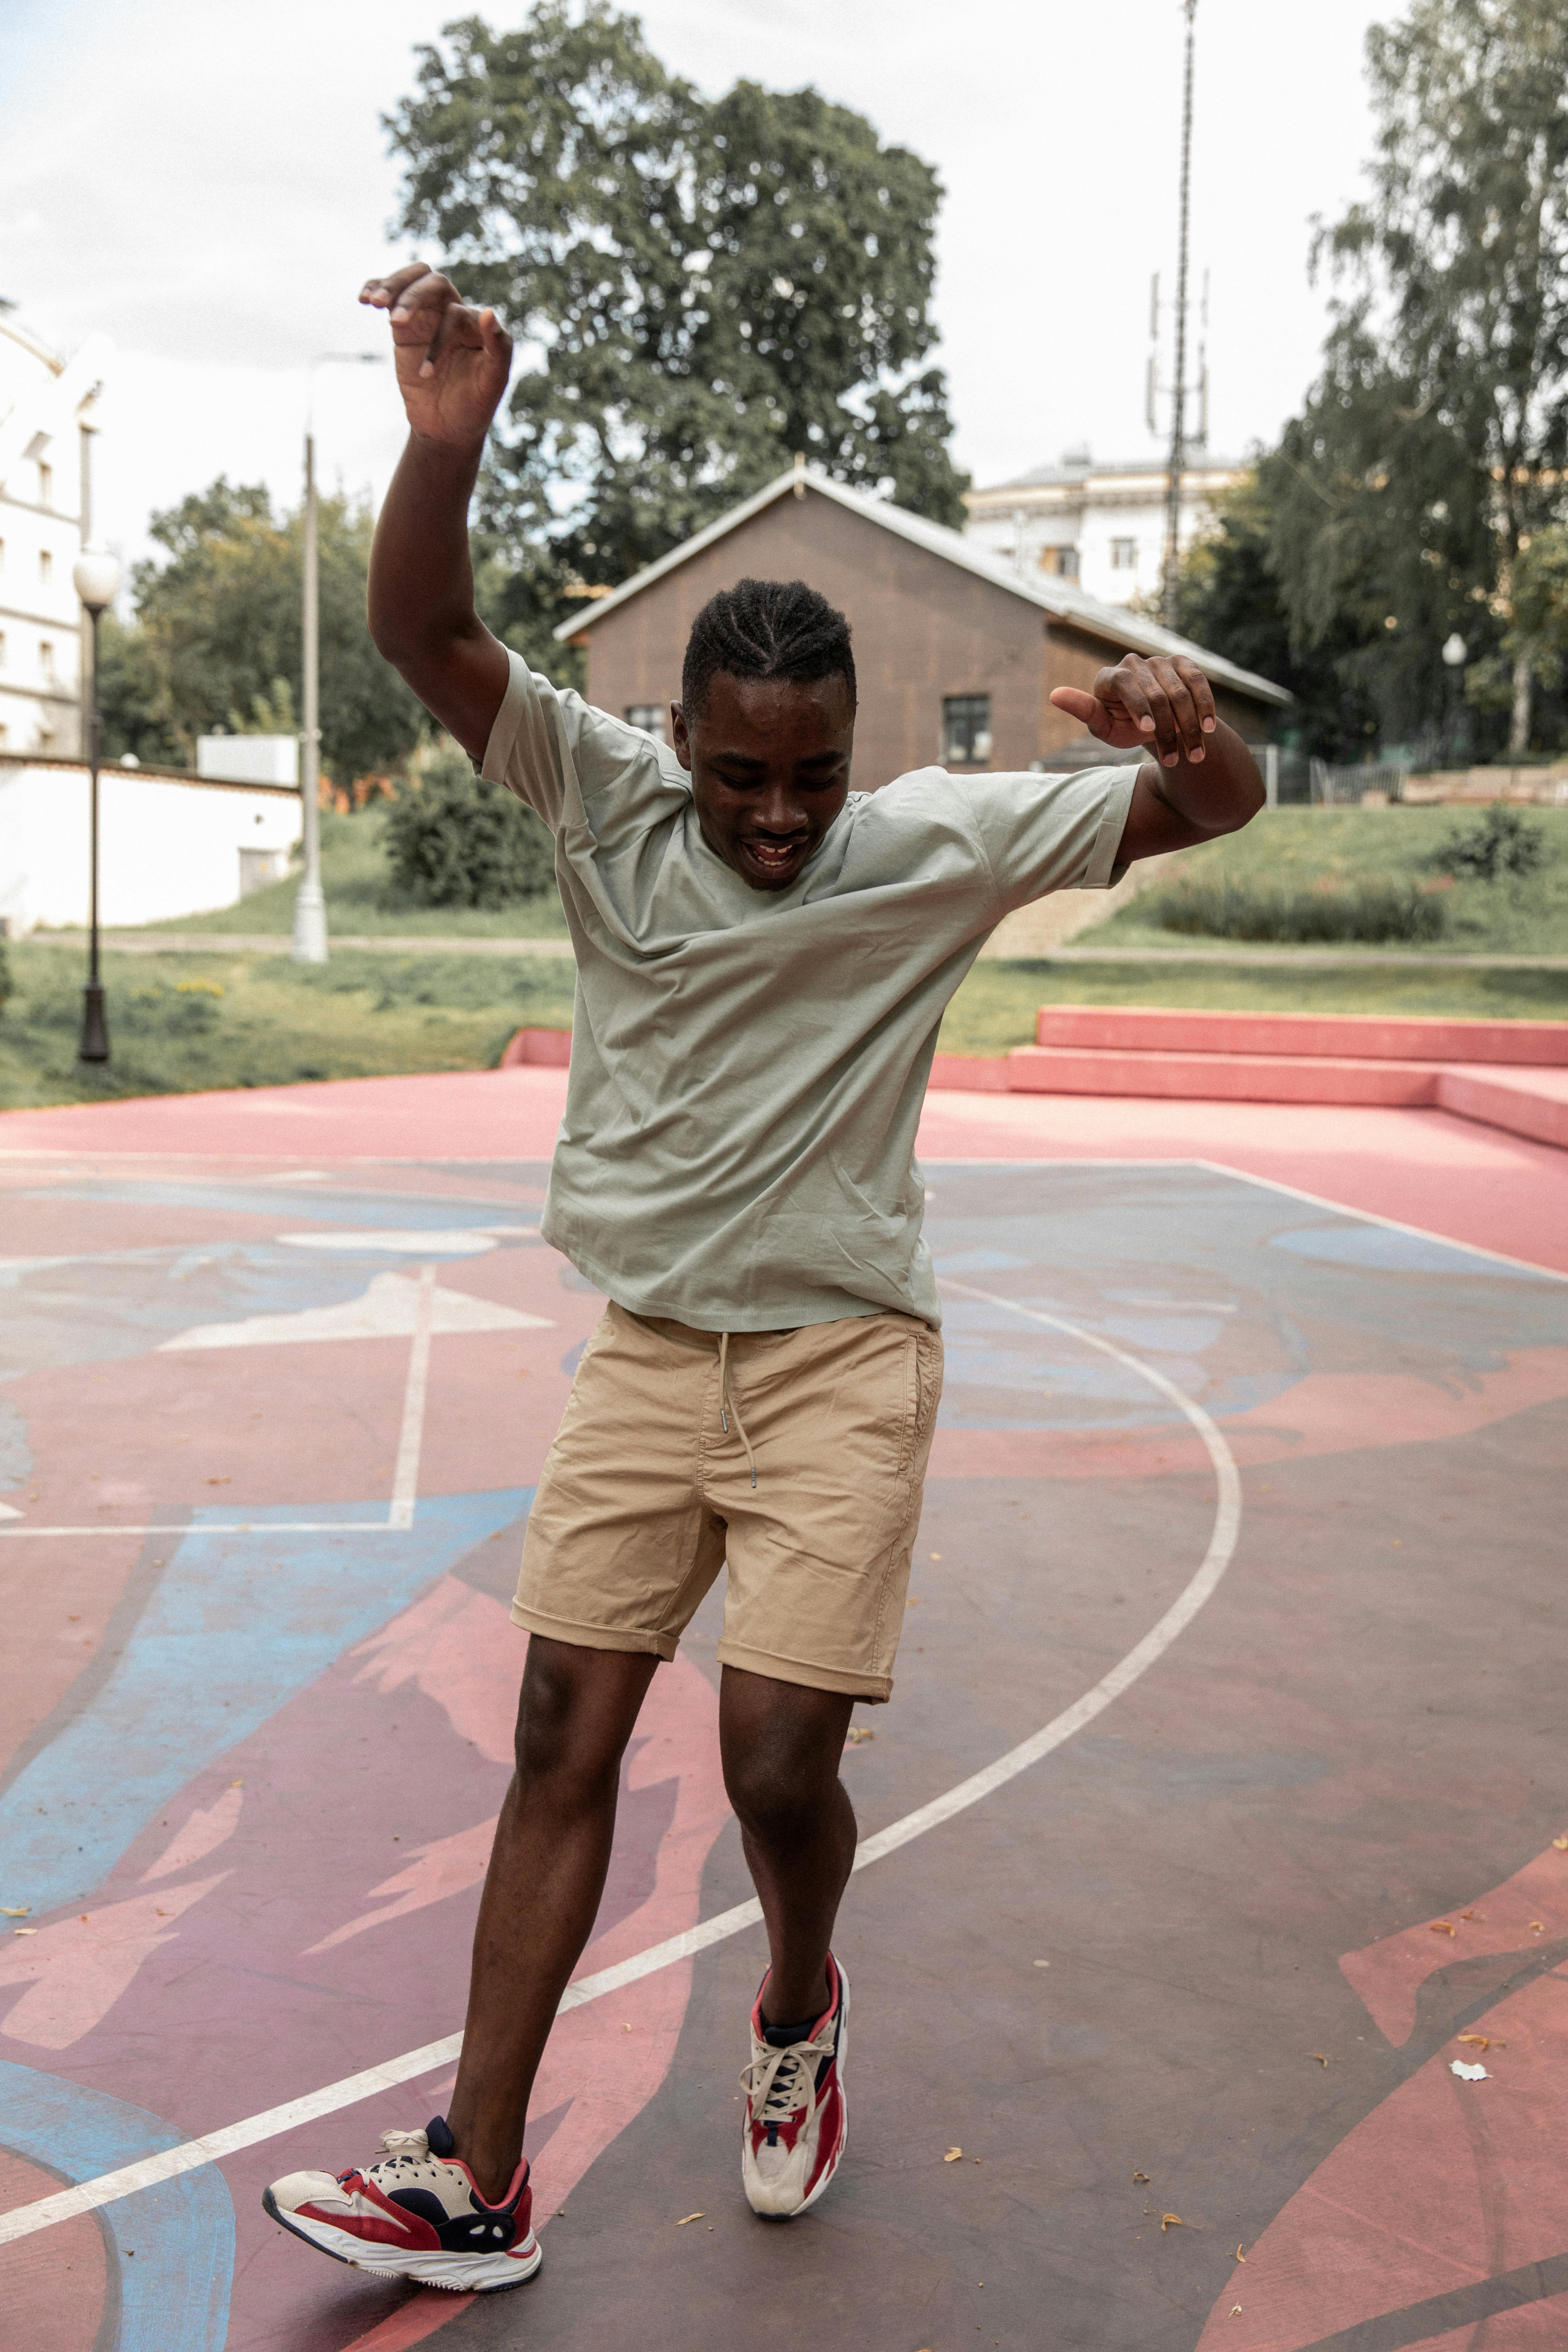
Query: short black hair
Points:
[766, 628]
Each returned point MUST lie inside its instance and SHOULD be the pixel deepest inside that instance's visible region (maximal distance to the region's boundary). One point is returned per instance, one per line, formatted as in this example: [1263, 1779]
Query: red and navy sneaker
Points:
[416, 2214]
[797, 2120]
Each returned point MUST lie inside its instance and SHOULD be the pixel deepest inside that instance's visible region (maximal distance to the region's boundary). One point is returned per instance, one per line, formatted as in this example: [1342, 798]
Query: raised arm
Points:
[452, 368]
[1204, 781]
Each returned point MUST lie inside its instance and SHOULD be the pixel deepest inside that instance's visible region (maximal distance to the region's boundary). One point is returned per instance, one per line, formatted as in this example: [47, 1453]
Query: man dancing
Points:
[764, 959]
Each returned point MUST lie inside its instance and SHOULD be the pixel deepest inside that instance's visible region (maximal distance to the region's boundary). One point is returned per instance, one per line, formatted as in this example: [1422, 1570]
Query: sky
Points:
[207, 182]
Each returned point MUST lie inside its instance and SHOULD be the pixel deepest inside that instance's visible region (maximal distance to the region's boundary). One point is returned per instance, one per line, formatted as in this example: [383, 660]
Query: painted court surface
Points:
[1224, 1775]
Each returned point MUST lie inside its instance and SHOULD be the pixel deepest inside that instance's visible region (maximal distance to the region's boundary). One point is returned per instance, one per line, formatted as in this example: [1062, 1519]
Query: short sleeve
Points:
[1054, 833]
[556, 753]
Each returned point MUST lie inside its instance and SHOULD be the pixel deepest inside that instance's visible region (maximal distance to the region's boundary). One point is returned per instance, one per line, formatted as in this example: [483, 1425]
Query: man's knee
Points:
[573, 1721]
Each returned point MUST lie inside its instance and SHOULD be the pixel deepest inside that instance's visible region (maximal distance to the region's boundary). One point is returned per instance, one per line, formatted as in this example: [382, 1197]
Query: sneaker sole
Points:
[424, 2270]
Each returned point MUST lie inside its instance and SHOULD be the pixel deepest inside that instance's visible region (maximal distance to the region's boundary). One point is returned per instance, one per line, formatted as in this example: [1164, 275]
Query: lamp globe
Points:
[97, 577]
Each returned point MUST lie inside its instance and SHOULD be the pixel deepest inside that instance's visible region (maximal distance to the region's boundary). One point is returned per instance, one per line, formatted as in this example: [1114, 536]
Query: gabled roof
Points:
[1058, 598]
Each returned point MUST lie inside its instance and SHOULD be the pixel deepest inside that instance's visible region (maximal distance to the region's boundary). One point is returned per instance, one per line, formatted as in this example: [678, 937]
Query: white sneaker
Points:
[797, 2120]
[416, 2214]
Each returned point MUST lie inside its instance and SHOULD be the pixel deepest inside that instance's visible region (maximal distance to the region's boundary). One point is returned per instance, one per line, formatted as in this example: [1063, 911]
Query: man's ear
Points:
[680, 736]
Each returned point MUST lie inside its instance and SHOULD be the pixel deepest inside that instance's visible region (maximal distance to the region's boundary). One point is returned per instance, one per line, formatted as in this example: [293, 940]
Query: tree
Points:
[1228, 598]
[1431, 450]
[216, 641]
[701, 289]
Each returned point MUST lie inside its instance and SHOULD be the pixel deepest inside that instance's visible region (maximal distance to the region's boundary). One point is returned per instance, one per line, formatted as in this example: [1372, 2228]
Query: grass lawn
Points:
[1295, 848]
[180, 1024]
[353, 877]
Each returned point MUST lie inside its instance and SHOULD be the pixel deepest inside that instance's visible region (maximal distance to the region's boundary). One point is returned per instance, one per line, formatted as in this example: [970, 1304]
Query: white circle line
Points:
[213, 2147]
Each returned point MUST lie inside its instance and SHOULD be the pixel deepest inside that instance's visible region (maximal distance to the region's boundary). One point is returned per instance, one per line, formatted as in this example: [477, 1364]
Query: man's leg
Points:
[782, 1746]
[546, 1875]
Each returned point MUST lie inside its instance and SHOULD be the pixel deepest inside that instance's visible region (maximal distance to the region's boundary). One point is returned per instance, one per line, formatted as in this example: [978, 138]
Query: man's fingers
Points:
[1182, 736]
[1084, 708]
[456, 325]
[1201, 691]
[1123, 686]
[383, 292]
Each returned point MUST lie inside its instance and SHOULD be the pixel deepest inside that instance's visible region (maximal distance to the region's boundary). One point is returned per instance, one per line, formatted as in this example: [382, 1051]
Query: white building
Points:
[46, 424]
[1103, 526]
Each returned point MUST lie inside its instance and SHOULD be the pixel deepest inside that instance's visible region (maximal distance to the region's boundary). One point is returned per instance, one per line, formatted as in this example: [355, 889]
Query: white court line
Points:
[110, 2187]
[399, 1518]
[405, 1477]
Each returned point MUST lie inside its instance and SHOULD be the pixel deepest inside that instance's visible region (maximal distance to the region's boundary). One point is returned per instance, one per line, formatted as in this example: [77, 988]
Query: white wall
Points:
[166, 848]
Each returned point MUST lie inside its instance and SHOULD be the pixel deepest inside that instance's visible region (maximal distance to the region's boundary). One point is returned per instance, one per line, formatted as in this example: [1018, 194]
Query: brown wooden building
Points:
[956, 654]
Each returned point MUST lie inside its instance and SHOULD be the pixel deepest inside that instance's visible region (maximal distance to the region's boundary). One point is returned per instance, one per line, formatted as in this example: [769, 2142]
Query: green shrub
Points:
[1501, 841]
[453, 840]
[1369, 911]
[5, 975]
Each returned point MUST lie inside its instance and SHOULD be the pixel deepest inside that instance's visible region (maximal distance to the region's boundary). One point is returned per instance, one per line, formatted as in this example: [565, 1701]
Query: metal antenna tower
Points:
[1179, 389]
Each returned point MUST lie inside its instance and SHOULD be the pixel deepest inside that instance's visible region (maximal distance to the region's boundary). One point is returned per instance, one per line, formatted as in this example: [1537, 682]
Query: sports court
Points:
[1221, 1793]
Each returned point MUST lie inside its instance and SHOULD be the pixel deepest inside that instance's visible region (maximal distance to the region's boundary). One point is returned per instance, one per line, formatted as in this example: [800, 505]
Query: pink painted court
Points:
[1220, 1813]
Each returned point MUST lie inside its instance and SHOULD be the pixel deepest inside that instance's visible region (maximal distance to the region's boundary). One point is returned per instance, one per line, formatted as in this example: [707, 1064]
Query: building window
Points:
[1062, 560]
[46, 660]
[966, 730]
[46, 566]
[650, 716]
[46, 485]
[1124, 555]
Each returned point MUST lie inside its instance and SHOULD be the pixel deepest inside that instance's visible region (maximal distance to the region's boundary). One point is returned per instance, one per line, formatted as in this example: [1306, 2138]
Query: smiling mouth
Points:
[774, 857]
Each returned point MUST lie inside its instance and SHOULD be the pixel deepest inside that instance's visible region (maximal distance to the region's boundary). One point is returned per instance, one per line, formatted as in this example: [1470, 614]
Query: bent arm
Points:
[422, 613]
[1177, 807]
[1201, 780]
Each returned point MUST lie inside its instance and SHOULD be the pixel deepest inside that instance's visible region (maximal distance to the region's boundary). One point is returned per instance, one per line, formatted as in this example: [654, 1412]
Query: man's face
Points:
[769, 761]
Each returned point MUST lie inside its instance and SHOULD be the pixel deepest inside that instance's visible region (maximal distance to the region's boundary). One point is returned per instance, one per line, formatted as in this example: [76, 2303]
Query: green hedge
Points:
[1370, 912]
[453, 840]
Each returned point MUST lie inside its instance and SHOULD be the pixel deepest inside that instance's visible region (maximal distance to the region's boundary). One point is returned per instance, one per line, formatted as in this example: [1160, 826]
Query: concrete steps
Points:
[1507, 1073]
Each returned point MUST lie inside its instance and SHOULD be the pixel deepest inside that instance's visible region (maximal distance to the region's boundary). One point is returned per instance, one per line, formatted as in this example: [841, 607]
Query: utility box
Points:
[249, 759]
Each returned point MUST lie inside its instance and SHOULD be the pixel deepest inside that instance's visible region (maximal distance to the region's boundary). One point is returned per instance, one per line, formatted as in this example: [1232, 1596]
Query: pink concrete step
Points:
[1222, 1077]
[1356, 1036]
[1535, 1105]
[550, 1046]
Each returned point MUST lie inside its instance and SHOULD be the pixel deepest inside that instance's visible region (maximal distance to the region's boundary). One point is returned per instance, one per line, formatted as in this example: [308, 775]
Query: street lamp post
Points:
[96, 574]
[1455, 653]
[310, 904]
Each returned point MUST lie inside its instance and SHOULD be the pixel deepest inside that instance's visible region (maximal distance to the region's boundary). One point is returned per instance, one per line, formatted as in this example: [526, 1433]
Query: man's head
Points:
[765, 725]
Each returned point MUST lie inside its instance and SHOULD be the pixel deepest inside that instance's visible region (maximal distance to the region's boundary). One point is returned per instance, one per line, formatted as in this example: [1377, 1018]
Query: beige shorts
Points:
[646, 1493]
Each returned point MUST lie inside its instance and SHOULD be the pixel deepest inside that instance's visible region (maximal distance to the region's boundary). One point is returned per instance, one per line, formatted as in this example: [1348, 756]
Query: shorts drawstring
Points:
[727, 1404]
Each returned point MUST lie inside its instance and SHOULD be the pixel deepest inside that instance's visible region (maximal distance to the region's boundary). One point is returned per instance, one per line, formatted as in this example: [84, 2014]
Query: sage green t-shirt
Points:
[748, 1067]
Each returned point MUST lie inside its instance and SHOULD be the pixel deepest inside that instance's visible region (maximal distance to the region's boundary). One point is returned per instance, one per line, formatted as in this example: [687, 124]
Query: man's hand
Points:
[1166, 705]
[452, 361]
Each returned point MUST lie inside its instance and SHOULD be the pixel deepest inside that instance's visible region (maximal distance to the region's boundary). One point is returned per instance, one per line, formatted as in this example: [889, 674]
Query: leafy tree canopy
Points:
[216, 638]
[1432, 448]
[699, 289]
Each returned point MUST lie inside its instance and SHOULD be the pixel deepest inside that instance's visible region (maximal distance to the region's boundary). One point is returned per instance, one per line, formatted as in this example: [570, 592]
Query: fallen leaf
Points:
[936, 1555]
[1481, 2040]
[237, 1784]
[224, 1481]
[24, 1931]
[1239, 2255]
[688, 2217]
[914, 1601]
[1539, 1926]
[1235, 2311]
[1442, 1927]
[1319, 2056]
[626, 2028]
[1172, 2222]
[1561, 1845]
[858, 1735]
[14, 1910]
[1473, 1914]
[160, 1915]
[1042, 1964]
[952, 2156]
[1140, 2176]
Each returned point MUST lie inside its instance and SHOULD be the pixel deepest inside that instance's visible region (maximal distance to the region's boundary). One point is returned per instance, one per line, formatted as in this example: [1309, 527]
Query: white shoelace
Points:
[783, 2080]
